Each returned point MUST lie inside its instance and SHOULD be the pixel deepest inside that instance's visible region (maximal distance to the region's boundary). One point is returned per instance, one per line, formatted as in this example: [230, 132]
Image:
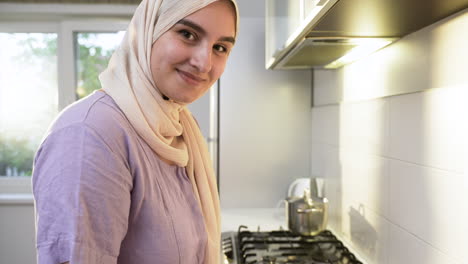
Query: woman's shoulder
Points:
[98, 113]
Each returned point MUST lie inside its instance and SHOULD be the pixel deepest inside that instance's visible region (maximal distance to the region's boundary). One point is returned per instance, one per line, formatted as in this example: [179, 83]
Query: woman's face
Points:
[188, 58]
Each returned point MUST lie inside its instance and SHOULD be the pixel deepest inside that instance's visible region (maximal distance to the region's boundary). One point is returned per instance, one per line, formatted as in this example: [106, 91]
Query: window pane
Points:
[93, 53]
[28, 97]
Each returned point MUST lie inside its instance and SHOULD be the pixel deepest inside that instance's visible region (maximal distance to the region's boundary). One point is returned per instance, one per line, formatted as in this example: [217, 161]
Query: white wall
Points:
[200, 109]
[17, 234]
[264, 122]
[395, 162]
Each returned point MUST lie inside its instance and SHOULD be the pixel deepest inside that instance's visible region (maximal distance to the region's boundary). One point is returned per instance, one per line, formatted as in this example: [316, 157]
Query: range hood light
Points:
[365, 47]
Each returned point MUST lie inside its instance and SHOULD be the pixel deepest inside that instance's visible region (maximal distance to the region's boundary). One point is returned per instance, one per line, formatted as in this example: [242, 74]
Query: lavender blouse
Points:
[103, 196]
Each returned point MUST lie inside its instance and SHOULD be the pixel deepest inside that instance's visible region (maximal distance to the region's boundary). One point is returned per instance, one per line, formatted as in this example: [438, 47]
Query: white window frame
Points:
[66, 52]
[64, 20]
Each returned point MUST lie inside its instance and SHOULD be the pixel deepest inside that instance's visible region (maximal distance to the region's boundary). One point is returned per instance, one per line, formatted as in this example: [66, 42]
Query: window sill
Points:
[16, 198]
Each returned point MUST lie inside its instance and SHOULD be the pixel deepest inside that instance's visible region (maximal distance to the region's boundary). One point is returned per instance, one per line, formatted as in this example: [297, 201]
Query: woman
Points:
[124, 176]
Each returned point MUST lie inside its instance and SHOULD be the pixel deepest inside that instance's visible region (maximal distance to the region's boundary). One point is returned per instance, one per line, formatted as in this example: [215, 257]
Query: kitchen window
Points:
[28, 97]
[93, 51]
[45, 66]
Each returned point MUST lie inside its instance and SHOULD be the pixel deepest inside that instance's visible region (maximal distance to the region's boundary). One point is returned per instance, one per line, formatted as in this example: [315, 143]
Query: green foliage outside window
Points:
[35, 55]
[16, 157]
[92, 60]
[17, 152]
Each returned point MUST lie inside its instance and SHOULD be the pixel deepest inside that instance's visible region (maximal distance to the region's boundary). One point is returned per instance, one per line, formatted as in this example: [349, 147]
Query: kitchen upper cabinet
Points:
[283, 17]
[302, 34]
[286, 22]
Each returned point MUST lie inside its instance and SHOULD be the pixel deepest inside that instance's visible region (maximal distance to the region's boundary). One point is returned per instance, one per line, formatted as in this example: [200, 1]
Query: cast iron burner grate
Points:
[275, 247]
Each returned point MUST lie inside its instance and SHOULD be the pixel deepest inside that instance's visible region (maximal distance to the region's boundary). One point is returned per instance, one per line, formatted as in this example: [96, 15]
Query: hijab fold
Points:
[166, 126]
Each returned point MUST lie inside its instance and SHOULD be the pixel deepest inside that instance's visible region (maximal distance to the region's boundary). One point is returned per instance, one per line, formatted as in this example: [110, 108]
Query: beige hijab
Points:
[167, 127]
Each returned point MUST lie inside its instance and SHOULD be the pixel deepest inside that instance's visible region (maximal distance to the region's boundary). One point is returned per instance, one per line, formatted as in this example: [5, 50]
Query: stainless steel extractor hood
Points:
[362, 26]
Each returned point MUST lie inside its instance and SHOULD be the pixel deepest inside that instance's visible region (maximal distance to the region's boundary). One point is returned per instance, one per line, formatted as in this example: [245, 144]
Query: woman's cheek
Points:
[220, 66]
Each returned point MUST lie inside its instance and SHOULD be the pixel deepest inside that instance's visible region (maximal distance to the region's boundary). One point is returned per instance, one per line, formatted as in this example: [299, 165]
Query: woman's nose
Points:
[201, 59]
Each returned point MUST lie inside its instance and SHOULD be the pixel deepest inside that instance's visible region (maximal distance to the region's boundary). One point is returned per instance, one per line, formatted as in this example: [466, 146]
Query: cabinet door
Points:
[287, 23]
[282, 19]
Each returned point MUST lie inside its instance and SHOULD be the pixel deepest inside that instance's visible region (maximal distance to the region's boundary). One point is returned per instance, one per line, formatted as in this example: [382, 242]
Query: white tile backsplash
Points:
[333, 185]
[318, 157]
[365, 180]
[396, 166]
[429, 128]
[405, 248]
[364, 126]
[366, 231]
[325, 124]
[429, 203]
[326, 87]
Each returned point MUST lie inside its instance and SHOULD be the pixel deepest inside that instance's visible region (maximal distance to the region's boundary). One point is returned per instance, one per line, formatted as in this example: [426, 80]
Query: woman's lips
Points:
[190, 78]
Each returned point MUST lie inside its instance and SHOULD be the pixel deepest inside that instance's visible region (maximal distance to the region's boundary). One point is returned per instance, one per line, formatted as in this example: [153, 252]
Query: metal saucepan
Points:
[307, 215]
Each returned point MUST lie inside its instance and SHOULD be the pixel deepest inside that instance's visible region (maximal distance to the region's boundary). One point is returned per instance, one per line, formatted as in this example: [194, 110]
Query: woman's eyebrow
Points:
[198, 28]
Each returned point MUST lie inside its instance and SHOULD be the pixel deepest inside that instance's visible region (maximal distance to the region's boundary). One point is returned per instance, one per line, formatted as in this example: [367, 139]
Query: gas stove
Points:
[275, 247]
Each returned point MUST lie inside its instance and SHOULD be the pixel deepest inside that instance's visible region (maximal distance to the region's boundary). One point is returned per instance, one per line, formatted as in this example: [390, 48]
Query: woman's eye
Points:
[186, 34]
[220, 48]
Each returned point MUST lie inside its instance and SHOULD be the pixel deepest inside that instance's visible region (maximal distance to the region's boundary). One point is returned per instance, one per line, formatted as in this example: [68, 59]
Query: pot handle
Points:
[295, 183]
[309, 210]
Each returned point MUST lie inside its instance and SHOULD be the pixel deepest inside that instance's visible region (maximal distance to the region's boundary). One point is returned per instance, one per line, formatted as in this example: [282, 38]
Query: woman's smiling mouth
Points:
[190, 78]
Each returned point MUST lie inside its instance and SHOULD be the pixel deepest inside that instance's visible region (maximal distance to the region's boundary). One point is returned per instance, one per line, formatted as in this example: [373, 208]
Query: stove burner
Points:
[283, 247]
[268, 260]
